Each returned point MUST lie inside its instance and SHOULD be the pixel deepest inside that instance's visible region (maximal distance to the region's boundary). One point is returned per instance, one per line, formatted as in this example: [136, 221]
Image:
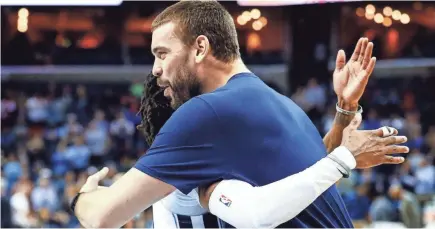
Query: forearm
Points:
[333, 138]
[273, 204]
[97, 210]
[114, 206]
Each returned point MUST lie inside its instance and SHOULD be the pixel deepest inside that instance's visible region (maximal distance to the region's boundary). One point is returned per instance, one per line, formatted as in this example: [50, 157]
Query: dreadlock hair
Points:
[155, 109]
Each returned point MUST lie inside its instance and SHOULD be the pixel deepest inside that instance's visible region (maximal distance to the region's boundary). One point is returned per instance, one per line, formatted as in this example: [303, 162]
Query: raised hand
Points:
[373, 147]
[350, 79]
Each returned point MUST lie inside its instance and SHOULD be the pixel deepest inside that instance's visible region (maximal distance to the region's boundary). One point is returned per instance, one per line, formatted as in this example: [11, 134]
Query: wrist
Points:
[349, 106]
[74, 201]
[344, 154]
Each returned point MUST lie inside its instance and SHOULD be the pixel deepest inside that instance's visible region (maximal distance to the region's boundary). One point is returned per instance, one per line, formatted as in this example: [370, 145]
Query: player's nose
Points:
[157, 71]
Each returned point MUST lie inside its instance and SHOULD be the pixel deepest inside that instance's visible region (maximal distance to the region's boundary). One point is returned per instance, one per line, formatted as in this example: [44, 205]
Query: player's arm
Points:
[271, 205]
[183, 156]
[114, 206]
[350, 80]
[333, 138]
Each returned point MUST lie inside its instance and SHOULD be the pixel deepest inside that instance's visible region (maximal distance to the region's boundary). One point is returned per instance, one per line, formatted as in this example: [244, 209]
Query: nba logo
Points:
[225, 200]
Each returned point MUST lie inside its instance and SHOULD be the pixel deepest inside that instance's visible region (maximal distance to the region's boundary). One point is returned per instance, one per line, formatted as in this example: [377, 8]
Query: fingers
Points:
[367, 55]
[385, 131]
[393, 149]
[363, 49]
[393, 140]
[371, 66]
[393, 160]
[341, 60]
[357, 50]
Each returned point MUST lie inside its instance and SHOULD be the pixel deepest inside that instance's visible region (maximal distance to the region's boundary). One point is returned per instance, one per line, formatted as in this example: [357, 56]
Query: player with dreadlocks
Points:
[155, 109]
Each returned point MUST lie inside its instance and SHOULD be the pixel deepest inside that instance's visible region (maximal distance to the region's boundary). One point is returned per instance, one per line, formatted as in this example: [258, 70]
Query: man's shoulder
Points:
[193, 114]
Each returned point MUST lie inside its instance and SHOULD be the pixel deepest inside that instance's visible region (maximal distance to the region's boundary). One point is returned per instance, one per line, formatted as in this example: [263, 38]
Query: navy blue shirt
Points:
[246, 131]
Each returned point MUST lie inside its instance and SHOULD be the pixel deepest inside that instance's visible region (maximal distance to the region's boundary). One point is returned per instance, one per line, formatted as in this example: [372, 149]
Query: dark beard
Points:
[184, 88]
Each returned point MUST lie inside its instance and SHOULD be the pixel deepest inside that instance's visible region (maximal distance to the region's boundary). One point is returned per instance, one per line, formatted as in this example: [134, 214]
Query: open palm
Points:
[350, 79]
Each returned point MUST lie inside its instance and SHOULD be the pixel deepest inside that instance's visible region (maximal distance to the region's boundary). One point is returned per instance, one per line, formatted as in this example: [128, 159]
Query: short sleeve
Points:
[187, 152]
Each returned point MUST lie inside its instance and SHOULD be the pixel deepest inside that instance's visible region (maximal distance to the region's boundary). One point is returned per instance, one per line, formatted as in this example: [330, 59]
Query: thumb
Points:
[356, 122]
[101, 174]
[340, 62]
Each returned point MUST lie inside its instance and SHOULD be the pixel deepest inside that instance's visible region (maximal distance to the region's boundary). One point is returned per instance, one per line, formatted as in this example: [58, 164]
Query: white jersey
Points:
[183, 211]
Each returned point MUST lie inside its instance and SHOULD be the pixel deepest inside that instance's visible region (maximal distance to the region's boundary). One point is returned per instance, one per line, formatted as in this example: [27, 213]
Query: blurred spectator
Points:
[59, 160]
[100, 120]
[382, 210]
[21, 206]
[6, 212]
[12, 171]
[78, 154]
[425, 177]
[58, 106]
[409, 207]
[372, 121]
[81, 105]
[37, 110]
[72, 127]
[358, 203]
[97, 140]
[9, 110]
[44, 195]
[122, 131]
[36, 150]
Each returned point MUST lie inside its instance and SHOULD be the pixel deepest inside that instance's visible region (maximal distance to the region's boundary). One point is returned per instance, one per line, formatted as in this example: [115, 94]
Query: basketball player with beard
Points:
[229, 127]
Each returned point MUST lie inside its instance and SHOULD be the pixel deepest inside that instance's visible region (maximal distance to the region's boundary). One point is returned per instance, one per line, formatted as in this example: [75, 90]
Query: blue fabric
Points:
[247, 131]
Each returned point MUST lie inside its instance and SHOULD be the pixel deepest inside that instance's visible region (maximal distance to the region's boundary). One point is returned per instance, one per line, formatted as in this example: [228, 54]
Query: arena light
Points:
[241, 20]
[263, 21]
[23, 13]
[22, 22]
[379, 18]
[255, 14]
[387, 22]
[405, 19]
[360, 12]
[396, 15]
[22, 28]
[246, 16]
[257, 25]
[369, 16]
[370, 9]
[387, 11]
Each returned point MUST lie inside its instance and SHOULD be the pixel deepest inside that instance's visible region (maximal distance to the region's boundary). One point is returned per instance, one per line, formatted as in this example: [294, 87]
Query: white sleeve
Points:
[162, 217]
[244, 206]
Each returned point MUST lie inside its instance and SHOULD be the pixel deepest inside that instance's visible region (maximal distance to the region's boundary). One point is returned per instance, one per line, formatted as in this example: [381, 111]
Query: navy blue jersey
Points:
[245, 131]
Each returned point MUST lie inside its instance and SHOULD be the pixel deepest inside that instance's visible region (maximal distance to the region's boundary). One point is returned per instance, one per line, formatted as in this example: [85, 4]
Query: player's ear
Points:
[202, 48]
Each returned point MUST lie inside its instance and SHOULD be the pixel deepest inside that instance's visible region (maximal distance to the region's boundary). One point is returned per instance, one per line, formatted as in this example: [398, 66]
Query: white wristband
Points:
[345, 156]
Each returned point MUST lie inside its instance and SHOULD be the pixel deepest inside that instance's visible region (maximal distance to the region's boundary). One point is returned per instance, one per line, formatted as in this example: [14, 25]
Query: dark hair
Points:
[208, 18]
[155, 109]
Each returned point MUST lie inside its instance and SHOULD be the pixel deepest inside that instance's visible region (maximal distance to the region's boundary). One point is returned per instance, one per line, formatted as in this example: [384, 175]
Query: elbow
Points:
[98, 220]
[263, 222]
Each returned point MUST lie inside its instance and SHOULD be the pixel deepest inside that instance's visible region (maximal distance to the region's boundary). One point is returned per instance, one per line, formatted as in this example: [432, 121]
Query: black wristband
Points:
[74, 202]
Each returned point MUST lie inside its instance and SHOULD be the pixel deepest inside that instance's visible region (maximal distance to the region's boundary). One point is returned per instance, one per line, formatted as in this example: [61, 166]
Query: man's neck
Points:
[218, 75]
